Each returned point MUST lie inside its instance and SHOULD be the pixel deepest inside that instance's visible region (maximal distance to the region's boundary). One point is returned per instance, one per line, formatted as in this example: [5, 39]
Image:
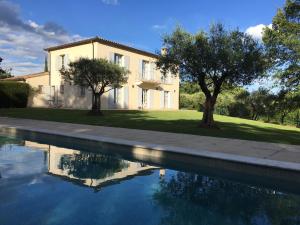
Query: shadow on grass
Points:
[160, 121]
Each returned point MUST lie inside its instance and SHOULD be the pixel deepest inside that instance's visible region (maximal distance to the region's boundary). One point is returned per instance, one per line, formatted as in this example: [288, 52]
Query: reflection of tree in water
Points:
[10, 140]
[90, 165]
[195, 199]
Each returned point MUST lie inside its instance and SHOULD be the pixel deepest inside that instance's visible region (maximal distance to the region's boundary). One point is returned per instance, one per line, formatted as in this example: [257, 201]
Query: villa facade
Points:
[146, 87]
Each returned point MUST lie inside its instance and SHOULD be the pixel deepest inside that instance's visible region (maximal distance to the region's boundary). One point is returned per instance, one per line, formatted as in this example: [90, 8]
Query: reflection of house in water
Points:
[90, 169]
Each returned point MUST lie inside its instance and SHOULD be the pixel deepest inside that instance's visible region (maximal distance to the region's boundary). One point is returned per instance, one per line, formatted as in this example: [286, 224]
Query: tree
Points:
[260, 101]
[189, 198]
[216, 60]
[286, 102]
[98, 74]
[46, 64]
[283, 44]
[4, 73]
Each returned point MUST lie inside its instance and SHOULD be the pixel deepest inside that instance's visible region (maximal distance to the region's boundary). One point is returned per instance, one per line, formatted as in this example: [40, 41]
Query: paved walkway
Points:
[251, 152]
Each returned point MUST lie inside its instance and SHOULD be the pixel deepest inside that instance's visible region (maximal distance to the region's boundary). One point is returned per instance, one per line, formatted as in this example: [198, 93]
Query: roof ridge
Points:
[103, 41]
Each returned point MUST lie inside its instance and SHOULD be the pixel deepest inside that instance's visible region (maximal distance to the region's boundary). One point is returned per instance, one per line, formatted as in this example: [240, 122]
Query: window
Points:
[167, 78]
[82, 91]
[118, 59]
[40, 89]
[62, 89]
[116, 92]
[145, 98]
[166, 99]
[62, 61]
[145, 69]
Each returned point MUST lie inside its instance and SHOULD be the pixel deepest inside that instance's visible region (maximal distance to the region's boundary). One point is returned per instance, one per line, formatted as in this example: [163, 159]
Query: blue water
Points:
[45, 184]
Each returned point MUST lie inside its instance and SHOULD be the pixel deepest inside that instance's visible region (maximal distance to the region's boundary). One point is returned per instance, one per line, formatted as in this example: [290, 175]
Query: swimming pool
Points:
[56, 180]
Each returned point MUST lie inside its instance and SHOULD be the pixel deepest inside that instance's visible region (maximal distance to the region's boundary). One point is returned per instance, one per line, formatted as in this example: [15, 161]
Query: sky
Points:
[29, 26]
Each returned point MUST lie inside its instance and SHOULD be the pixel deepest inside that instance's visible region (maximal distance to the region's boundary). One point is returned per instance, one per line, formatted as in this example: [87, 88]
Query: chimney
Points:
[163, 51]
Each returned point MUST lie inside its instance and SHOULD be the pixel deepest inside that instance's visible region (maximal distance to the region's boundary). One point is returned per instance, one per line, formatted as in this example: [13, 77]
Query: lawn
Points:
[185, 121]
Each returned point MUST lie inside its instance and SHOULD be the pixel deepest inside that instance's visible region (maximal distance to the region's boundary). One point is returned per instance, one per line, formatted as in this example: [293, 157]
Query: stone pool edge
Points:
[276, 164]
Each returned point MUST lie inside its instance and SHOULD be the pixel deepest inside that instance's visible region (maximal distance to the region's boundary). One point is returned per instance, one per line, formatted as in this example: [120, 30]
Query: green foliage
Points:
[98, 74]
[191, 101]
[189, 87]
[283, 44]
[287, 102]
[14, 94]
[46, 65]
[214, 60]
[3, 72]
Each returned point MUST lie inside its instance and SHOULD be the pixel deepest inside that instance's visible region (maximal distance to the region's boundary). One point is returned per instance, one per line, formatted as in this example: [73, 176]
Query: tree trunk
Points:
[96, 106]
[282, 118]
[208, 113]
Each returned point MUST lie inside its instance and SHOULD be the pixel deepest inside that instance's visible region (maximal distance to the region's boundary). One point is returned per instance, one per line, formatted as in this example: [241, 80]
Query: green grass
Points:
[184, 121]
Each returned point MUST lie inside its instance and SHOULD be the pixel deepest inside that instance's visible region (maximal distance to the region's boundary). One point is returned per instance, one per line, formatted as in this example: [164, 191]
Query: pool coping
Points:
[254, 161]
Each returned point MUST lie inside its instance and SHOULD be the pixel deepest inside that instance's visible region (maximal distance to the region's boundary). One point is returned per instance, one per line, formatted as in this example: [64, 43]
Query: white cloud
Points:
[257, 31]
[111, 2]
[22, 42]
[165, 26]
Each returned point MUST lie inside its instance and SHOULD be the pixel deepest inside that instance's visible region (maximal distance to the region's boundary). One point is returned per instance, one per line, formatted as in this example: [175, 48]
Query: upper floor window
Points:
[62, 89]
[63, 61]
[145, 68]
[118, 59]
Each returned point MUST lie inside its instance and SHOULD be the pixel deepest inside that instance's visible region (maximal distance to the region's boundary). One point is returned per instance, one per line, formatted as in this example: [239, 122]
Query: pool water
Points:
[49, 184]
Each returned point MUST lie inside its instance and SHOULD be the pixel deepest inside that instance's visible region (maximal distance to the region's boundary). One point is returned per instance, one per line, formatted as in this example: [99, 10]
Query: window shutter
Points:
[140, 103]
[111, 99]
[67, 61]
[151, 99]
[170, 100]
[111, 57]
[140, 68]
[58, 63]
[162, 100]
[126, 97]
[127, 62]
[152, 66]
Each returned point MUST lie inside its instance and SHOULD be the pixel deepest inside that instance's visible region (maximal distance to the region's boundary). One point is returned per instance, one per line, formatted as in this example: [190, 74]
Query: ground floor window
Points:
[82, 91]
[145, 98]
[166, 99]
[116, 93]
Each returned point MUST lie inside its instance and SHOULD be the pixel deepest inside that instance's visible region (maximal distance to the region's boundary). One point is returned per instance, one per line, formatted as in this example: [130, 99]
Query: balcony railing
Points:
[154, 78]
[148, 78]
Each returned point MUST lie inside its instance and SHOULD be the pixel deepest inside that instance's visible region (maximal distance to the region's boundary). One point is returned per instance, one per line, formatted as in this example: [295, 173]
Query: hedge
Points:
[14, 94]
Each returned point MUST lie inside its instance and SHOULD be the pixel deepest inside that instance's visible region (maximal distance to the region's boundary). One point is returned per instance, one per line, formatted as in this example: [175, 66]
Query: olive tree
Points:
[216, 60]
[98, 74]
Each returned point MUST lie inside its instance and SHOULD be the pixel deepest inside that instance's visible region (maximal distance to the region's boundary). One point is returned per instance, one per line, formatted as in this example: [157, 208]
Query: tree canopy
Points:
[98, 74]
[215, 60]
[4, 73]
[283, 44]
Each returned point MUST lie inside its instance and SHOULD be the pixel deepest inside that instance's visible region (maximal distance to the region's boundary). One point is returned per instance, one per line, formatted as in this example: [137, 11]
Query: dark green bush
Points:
[14, 94]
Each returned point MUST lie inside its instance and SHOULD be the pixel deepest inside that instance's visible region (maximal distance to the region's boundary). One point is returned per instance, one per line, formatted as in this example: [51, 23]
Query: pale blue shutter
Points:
[140, 68]
[127, 62]
[162, 99]
[140, 103]
[111, 57]
[126, 97]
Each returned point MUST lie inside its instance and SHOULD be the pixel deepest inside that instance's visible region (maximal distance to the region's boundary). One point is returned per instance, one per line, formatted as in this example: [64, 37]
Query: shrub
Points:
[14, 94]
